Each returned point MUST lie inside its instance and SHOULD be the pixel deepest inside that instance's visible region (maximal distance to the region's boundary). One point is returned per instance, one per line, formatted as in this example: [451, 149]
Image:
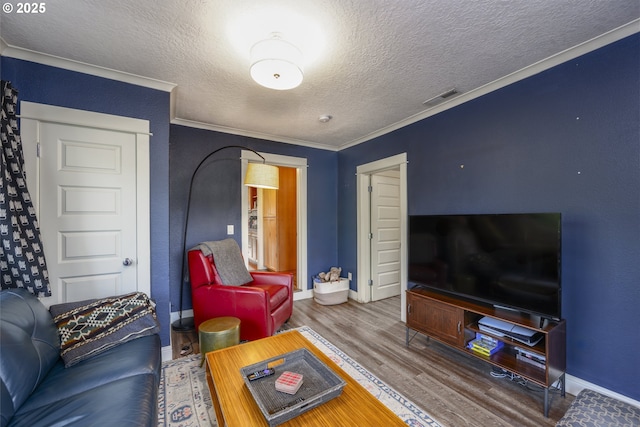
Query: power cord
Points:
[186, 349]
[503, 373]
[498, 372]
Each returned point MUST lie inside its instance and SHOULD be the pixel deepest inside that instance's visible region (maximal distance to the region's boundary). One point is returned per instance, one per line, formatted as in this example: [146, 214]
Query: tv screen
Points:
[507, 260]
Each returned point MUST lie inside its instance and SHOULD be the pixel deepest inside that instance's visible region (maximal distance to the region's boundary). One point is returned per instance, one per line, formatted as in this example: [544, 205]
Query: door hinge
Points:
[370, 282]
[38, 150]
[370, 236]
[370, 188]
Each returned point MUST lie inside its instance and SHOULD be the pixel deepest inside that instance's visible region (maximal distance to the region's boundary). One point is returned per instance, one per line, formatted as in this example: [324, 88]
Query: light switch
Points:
[230, 229]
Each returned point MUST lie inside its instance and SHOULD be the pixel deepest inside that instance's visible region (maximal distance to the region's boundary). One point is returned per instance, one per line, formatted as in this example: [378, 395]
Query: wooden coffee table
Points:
[235, 406]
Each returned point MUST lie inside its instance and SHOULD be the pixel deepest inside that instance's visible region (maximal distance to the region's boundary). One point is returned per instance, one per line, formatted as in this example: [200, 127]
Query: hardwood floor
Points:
[454, 388]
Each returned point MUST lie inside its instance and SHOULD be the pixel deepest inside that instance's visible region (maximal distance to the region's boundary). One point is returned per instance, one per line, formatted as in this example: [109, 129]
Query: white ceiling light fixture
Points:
[276, 63]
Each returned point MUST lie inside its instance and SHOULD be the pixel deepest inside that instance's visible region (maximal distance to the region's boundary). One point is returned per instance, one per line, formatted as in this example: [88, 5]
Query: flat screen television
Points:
[510, 261]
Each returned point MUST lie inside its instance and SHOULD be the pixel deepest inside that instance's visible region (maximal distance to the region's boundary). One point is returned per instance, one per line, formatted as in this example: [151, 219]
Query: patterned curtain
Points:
[22, 263]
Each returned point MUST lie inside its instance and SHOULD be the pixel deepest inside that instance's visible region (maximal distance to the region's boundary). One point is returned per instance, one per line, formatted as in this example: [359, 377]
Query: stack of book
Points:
[485, 345]
[535, 359]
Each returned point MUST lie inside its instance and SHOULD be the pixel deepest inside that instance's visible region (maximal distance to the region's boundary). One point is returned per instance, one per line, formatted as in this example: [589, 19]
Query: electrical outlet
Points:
[349, 276]
[230, 229]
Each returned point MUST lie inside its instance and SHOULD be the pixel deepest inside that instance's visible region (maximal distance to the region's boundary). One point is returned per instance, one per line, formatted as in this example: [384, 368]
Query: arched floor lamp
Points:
[259, 175]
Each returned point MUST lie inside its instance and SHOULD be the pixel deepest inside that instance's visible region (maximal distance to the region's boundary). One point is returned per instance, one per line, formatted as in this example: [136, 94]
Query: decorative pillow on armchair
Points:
[93, 326]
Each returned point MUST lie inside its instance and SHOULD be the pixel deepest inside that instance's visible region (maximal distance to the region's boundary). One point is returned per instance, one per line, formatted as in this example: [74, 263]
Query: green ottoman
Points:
[217, 333]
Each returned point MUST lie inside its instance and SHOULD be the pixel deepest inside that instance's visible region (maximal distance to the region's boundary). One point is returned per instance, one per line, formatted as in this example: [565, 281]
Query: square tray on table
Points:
[319, 385]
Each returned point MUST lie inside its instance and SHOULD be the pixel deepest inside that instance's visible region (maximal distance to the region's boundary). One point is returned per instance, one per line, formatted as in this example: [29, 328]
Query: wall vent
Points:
[439, 98]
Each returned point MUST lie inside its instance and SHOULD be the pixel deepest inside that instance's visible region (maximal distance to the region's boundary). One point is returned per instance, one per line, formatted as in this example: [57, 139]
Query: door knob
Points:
[127, 261]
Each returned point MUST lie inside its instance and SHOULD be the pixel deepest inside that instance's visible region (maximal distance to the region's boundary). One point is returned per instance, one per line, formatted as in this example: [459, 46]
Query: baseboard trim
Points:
[575, 385]
[300, 295]
[166, 353]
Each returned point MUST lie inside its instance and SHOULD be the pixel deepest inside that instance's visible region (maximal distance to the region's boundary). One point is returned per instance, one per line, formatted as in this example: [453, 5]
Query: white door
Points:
[385, 232]
[89, 209]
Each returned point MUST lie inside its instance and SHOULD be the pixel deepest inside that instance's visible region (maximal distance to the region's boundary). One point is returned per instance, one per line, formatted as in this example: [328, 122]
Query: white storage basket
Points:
[330, 293]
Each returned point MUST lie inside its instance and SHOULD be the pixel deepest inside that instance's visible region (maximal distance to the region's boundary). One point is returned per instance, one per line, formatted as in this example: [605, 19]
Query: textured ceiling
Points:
[369, 64]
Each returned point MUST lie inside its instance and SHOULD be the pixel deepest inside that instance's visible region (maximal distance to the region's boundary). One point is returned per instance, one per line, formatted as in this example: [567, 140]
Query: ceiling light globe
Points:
[275, 64]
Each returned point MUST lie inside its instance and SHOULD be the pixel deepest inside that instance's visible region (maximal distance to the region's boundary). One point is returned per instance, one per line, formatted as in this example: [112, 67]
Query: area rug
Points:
[184, 399]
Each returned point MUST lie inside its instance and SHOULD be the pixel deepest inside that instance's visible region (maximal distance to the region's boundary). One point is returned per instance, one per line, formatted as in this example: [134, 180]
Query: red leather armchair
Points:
[262, 305]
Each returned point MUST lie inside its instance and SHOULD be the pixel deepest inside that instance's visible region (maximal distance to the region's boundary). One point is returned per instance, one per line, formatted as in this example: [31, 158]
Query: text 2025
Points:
[31, 8]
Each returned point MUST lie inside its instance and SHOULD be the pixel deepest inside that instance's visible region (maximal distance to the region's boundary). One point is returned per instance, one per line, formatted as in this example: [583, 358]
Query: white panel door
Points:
[385, 241]
[88, 210]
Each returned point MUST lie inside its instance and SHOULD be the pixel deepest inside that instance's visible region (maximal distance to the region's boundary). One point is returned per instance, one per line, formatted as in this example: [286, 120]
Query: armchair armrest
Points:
[236, 298]
[201, 271]
[269, 278]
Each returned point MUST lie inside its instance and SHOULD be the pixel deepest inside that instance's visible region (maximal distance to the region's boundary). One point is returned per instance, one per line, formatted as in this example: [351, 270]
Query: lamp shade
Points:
[276, 63]
[260, 175]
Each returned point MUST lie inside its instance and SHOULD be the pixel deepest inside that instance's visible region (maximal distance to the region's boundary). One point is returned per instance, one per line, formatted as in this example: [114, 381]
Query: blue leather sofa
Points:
[118, 387]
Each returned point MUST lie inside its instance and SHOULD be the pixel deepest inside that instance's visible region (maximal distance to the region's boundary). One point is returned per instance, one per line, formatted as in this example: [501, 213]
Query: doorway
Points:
[382, 249]
[272, 225]
[89, 183]
[254, 241]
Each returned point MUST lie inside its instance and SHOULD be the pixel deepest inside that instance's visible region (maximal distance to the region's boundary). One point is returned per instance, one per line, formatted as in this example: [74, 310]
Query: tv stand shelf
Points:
[454, 322]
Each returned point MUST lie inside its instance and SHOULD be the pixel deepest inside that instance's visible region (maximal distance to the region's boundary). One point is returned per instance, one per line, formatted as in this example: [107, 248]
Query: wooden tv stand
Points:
[454, 322]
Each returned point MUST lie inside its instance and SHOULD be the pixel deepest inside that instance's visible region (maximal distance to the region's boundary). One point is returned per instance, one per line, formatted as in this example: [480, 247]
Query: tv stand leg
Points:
[546, 394]
[546, 402]
[407, 337]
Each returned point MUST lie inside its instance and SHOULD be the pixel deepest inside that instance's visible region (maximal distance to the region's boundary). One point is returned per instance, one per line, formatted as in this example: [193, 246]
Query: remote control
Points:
[260, 374]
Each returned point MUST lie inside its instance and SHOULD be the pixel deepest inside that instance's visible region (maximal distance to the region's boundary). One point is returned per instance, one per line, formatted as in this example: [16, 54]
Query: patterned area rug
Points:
[184, 399]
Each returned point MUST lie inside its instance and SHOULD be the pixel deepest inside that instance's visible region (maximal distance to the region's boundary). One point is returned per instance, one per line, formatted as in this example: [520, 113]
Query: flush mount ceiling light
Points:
[276, 63]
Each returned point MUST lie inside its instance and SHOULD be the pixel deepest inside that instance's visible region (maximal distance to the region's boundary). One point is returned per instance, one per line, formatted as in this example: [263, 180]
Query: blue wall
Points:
[55, 86]
[216, 196]
[186, 147]
[566, 140]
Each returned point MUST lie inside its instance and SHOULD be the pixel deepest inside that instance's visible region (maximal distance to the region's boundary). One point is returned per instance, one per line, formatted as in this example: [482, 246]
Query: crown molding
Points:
[250, 134]
[612, 36]
[81, 67]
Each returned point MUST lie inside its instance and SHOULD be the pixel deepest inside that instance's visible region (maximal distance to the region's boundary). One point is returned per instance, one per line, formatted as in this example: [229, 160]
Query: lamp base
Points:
[183, 325]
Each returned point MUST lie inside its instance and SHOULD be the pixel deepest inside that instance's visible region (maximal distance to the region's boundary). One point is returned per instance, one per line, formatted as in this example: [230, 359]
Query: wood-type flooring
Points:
[456, 389]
